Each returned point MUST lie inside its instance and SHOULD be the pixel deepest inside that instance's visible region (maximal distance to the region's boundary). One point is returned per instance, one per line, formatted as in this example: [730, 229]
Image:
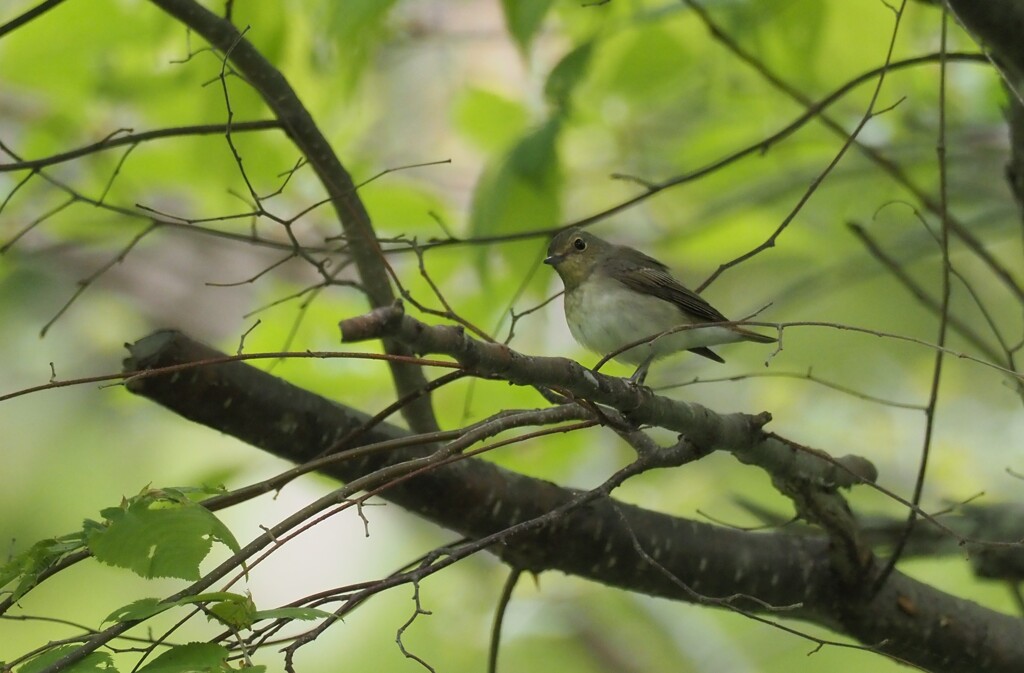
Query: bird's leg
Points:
[640, 374]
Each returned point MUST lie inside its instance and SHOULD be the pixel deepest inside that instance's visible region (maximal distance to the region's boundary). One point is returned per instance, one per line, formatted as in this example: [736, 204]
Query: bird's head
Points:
[575, 254]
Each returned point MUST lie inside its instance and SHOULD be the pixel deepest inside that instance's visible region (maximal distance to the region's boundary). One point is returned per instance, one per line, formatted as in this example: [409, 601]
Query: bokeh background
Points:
[532, 107]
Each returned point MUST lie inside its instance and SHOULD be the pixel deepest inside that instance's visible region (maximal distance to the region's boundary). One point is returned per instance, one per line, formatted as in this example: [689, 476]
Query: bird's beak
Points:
[553, 260]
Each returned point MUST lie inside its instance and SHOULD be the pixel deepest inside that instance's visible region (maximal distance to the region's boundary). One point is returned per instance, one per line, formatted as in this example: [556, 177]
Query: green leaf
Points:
[144, 608]
[304, 614]
[489, 120]
[523, 191]
[238, 614]
[23, 570]
[650, 63]
[535, 158]
[358, 27]
[190, 658]
[94, 662]
[358, 19]
[791, 38]
[523, 18]
[567, 74]
[156, 538]
[234, 610]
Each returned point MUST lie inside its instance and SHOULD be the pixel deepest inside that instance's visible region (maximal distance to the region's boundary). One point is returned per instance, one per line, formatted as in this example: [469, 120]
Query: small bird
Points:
[616, 295]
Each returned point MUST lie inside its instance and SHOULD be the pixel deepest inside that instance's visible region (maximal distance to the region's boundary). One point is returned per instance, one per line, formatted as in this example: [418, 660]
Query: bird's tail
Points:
[754, 336]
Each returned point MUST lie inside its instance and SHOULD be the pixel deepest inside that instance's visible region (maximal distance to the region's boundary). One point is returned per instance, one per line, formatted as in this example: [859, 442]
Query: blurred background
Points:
[537, 114]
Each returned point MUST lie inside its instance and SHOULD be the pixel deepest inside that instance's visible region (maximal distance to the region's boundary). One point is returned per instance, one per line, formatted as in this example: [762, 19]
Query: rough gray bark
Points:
[682, 559]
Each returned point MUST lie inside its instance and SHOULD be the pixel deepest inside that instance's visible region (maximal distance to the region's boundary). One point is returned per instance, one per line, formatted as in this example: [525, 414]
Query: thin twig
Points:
[933, 393]
[499, 616]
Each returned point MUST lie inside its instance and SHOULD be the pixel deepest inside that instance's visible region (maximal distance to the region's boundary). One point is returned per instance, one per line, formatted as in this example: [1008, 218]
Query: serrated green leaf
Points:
[232, 608]
[235, 610]
[305, 614]
[159, 538]
[109, 514]
[90, 526]
[24, 586]
[238, 614]
[220, 532]
[523, 18]
[193, 658]
[94, 662]
[144, 608]
[23, 570]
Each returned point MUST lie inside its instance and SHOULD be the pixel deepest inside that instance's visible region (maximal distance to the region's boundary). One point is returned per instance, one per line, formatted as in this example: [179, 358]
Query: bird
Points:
[616, 295]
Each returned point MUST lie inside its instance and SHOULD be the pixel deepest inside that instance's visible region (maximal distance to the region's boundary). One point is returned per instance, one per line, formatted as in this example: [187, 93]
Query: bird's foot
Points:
[640, 375]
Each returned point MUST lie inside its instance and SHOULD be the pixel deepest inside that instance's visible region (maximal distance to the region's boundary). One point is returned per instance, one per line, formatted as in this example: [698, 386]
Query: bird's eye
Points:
[579, 244]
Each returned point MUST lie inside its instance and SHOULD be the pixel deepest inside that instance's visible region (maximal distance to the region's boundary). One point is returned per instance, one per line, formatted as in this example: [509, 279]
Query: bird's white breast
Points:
[604, 315]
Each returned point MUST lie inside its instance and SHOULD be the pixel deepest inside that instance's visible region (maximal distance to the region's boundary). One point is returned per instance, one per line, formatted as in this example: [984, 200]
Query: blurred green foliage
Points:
[536, 105]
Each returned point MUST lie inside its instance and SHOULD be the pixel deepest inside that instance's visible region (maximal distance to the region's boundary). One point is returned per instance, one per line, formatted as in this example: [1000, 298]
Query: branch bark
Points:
[283, 101]
[681, 559]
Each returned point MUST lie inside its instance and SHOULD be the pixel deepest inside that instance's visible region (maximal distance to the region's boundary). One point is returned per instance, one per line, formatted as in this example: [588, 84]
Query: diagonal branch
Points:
[279, 96]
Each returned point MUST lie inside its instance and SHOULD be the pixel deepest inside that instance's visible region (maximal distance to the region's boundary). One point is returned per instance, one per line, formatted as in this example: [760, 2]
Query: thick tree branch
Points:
[808, 476]
[905, 618]
[279, 96]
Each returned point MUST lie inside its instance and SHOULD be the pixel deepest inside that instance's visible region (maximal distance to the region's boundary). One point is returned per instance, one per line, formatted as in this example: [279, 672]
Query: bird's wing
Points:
[649, 276]
[658, 282]
[631, 258]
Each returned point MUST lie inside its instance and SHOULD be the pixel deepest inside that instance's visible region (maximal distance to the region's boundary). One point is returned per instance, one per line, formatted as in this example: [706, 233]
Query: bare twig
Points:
[933, 393]
[134, 139]
[850, 138]
[499, 616]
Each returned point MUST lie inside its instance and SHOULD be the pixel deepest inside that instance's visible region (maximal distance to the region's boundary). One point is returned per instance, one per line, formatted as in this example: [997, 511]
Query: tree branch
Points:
[279, 96]
[127, 137]
[906, 619]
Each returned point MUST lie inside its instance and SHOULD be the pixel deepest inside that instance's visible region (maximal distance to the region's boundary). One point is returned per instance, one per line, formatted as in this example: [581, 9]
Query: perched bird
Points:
[615, 295]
